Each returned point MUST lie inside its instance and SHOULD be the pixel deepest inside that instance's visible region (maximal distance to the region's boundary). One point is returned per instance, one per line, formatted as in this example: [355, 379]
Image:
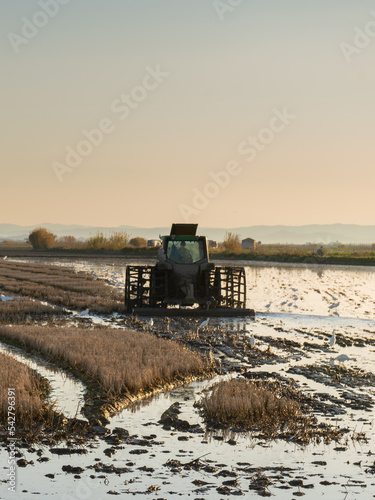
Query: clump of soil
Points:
[265, 408]
[247, 405]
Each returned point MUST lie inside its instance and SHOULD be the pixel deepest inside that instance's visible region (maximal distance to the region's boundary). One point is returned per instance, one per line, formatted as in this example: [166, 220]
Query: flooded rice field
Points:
[297, 308]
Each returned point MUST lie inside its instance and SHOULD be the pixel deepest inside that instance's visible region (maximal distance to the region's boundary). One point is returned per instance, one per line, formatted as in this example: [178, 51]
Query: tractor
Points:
[184, 282]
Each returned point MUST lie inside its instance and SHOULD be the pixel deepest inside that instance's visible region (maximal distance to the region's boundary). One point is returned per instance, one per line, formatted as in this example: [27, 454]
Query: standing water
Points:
[296, 305]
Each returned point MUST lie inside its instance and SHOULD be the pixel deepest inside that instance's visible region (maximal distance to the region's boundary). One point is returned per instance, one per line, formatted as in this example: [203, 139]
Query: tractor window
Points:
[185, 252]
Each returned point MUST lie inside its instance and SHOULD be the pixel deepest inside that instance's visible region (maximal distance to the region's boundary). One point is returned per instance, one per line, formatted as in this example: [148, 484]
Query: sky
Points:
[223, 112]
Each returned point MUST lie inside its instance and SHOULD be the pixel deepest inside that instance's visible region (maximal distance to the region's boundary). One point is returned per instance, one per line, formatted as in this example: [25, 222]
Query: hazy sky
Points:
[278, 94]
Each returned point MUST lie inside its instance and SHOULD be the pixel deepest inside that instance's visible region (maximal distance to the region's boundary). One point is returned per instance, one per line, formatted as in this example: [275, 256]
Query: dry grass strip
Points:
[245, 405]
[23, 309]
[30, 392]
[59, 286]
[35, 417]
[121, 362]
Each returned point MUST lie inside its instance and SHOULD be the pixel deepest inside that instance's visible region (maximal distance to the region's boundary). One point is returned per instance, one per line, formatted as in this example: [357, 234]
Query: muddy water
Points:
[341, 291]
[149, 469]
[333, 291]
[299, 304]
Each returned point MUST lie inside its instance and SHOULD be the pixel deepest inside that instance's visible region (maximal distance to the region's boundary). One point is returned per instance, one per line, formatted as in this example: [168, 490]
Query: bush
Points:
[41, 238]
[96, 242]
[67, 242]
[232, 242]
[138, 242]
[116, 241]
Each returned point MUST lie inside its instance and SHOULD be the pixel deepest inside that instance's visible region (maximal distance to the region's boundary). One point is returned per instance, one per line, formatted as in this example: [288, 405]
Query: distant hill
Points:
[343, 233]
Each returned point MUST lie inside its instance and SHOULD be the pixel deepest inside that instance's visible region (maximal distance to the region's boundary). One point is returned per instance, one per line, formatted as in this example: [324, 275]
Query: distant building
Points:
[249, 244]
[212, 244]
[154, 243]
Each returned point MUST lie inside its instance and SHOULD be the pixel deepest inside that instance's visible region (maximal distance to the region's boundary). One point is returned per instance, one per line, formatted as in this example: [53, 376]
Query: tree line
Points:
[42, 239]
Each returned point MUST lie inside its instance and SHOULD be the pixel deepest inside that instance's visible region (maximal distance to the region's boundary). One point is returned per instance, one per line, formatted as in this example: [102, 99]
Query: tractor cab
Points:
[183, 250]
[182, 246]
[185, 256]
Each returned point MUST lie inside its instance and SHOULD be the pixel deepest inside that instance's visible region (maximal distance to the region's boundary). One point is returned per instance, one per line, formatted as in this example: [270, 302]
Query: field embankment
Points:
[356, 255]
[333, 260]
[114, 364]
[353, 255]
